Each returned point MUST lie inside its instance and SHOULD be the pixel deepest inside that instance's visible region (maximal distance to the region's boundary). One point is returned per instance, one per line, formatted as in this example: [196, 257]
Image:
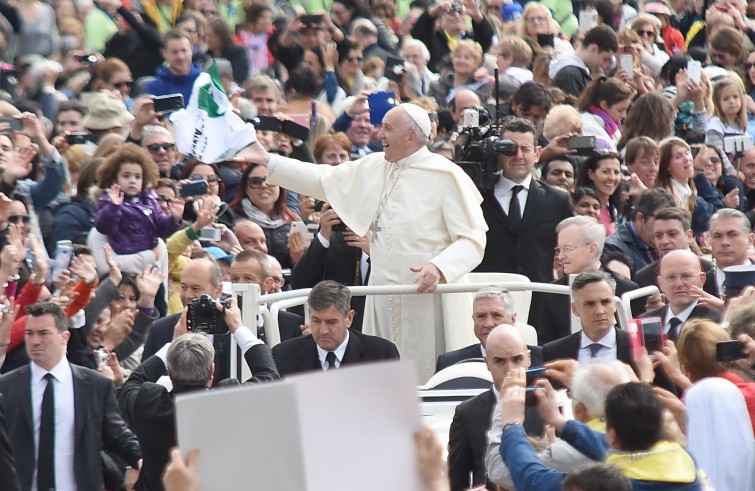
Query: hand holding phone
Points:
[694, 71]
[626, 62]
[168, 103]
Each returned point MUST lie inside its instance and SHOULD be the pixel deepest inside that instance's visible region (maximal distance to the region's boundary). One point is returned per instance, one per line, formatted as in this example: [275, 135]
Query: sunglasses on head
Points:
[209, 179]
[17, 219]
[155, 147]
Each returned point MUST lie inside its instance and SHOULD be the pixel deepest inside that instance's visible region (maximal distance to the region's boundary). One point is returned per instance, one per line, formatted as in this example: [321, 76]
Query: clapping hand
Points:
[83, 269]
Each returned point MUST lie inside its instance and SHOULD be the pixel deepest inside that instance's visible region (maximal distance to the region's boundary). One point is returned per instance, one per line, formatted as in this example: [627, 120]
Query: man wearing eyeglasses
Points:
[580, 245]
[681, 279]
[161, 147]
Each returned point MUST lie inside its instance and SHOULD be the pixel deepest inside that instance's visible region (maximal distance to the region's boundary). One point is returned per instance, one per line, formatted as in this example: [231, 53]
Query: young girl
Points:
[128, 212]
[604, 105]
[730, 112]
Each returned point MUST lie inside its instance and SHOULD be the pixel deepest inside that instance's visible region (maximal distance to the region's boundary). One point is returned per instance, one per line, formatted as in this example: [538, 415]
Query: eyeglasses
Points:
[685, 277]
[567, 249]
[209, 179]
[256, 182]
[120, 85]
[17, 219]
[646, 33]
[164, 199]
[357, 59]
[537, 20]
[155, 147]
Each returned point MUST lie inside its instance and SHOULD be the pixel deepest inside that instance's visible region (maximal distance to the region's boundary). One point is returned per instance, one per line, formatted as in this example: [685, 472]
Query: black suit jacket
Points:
[8, 482]
[529, 250]
[648, 276]
[161, 332]
[445, 360]
[340, 262]
[698, 312]
[554, 311]
[661, 379]
[568, 347]
[149, 409]
[98, 426]
[300, 355]
[467, 439]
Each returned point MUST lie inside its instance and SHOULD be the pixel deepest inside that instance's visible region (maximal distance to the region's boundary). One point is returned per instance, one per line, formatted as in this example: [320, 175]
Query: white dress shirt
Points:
[65, 421]
[503, 193]
[340, 351]
[682, 316]
[605, 355]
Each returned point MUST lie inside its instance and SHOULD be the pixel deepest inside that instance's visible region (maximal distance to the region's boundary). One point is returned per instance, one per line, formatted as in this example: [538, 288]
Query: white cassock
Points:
[427, 210]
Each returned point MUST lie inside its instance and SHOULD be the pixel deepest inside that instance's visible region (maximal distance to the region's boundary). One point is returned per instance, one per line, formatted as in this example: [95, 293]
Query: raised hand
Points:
[148, 282]
[114, 273]
[115, 194]
[83, 269]
[177, 208]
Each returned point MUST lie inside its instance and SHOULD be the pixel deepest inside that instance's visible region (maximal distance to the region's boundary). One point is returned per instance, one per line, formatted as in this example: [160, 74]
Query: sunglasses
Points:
[646, 33]
[749, 65]
[210, 179]
[155, 147]
[256, 182]
[120, 85]
[353, 59]
[17, 219]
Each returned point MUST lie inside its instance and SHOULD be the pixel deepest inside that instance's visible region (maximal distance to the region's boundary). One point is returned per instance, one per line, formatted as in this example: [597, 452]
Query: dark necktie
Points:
[594, 348]
[673, 329]
[331, 359]
[515, 211]
[46, 451]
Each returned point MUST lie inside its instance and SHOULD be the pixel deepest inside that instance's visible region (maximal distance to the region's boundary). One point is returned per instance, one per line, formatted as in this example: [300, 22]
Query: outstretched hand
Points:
[115, 194]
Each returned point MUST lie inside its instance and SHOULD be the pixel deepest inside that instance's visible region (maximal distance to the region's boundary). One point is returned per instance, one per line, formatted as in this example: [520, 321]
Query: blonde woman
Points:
[537, 19]
[466, 58]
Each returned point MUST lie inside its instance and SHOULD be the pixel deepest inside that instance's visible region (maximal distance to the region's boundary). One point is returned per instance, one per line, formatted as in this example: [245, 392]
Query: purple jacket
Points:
[135, 225]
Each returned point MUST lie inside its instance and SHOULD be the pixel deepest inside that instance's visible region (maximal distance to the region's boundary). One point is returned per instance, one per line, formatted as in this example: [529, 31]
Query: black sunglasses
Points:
[257, 182]
[120, 85]
[210, 179]
[16, 219]
[155, 147]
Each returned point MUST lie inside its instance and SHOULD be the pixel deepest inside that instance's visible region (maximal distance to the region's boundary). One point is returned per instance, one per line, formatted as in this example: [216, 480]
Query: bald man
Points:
[250, 235]
[681, 279]
[589, 389]
[421, 214]
[464, 99]
[505, 350]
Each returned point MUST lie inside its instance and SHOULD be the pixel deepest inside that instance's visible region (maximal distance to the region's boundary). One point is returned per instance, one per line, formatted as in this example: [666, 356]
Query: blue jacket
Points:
[166, 83]
[73, 221]
[528, 472]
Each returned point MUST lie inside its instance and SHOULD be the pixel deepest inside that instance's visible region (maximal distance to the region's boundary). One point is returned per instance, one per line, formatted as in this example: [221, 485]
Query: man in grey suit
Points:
[63, 415]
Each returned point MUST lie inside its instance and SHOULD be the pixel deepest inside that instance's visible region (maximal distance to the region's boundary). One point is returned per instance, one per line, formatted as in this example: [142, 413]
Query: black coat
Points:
[98, 426]
[300, 355]
[9, 482]
[437, 42]
[529, 250]
[150, 410]
[569, 346]
[339, 262]
[554, 311]
[467, 439]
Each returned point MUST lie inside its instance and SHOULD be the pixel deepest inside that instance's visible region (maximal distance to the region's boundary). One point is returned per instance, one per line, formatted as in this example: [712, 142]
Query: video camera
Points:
[478, 146]
[204, 316]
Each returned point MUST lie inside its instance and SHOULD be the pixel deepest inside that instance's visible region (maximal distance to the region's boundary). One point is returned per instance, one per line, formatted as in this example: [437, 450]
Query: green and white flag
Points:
[208, 129]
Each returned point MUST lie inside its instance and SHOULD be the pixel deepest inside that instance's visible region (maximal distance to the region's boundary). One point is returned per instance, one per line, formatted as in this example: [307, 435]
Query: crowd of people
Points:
[620, 134]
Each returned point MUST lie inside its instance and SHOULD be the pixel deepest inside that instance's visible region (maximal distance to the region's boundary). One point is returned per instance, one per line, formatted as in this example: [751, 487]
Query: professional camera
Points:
[478, 147]
[205, 317]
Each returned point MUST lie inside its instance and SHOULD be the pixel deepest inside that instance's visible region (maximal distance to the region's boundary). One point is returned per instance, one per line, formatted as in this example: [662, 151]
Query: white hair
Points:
[589, 227]
[417, 44]
[496, 292]
[155, 130]
[592, 383]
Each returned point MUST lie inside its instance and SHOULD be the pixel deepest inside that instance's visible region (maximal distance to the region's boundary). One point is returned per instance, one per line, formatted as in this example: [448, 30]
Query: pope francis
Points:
[421, 213]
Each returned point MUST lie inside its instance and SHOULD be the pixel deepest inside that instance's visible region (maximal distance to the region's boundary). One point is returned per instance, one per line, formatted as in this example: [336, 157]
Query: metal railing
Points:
[253, 303]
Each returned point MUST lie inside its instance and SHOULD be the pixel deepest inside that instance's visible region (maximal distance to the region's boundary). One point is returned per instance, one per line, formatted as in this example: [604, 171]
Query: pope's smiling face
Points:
[399, 141]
